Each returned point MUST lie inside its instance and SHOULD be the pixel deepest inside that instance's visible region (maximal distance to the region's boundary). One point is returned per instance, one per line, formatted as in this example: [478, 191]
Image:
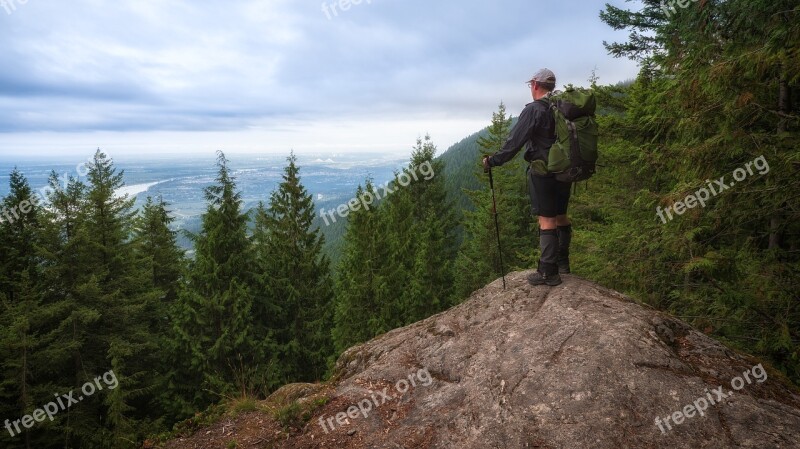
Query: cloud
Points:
[197, 66]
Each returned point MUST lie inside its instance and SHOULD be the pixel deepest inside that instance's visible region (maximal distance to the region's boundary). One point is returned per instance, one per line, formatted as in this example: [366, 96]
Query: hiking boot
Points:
[547, 273]
[539, 278]
[564, 239]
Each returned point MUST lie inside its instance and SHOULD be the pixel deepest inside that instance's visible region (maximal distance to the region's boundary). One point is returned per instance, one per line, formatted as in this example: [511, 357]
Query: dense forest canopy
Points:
[95, 291]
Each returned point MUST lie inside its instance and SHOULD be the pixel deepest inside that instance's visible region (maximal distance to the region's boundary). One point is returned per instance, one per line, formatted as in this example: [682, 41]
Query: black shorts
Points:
[549, 197]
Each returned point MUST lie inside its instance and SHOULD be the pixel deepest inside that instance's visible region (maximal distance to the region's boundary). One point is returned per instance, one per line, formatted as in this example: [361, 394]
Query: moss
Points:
[295, 415]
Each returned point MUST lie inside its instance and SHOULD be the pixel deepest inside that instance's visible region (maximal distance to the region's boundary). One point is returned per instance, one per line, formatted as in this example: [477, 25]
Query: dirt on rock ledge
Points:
[570, 367]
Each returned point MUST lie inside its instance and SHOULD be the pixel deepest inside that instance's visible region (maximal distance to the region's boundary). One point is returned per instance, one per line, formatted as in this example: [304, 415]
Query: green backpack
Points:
[574, 154]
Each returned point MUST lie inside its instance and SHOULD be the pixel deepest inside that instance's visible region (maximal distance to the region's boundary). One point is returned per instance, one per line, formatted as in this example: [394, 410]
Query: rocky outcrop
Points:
[573, 366]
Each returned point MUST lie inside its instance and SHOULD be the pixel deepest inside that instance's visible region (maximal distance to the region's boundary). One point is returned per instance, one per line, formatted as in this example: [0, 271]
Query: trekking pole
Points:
[497, 227]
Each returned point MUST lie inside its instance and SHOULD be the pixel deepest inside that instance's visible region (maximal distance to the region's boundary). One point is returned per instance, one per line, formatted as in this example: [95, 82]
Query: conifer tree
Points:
[157, 247]
[410, 240]
[268, 317]
[715, 94]
[122, 295]
[478, 258]
[158, 254]
[433, 233]
[24, 320]
[299, 279]
[18, 232]
[397, 227]
[213, 322]
[68, 285]
[359, 315]
[397, 262]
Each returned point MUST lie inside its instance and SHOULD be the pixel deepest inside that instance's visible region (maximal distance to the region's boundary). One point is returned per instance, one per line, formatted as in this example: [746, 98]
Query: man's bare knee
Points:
[548, 223]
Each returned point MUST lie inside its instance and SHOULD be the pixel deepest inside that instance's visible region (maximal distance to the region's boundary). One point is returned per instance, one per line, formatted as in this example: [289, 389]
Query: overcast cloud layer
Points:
[155, 76]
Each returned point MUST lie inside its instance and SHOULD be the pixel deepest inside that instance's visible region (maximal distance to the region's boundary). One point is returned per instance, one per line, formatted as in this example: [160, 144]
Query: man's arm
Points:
[517, 138]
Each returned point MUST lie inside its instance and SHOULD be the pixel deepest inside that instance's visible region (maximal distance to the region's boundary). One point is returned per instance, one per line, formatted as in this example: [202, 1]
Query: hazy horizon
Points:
[266, 77]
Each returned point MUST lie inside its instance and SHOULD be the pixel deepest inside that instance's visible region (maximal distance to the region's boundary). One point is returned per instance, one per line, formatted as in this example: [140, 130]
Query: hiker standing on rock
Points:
[535, 130]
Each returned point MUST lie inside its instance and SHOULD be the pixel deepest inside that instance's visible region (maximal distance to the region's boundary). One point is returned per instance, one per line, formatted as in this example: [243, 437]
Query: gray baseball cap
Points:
[545, 77]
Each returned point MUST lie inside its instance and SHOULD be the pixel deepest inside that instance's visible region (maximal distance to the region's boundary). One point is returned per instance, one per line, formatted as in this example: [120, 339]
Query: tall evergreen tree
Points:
[122, 295]
[68, 284]
[715, 93]
[300, 276]
[213, 324]
[25, 368]
[397, 266]
[397, 227]
[478, 258]
[359, 315]
[24, 320]
[158, 254]
[18, 232]
[433, 233]
[267, 312]
[157, 247]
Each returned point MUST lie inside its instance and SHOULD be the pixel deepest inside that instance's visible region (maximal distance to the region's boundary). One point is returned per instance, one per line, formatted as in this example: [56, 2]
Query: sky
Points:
[157, 77]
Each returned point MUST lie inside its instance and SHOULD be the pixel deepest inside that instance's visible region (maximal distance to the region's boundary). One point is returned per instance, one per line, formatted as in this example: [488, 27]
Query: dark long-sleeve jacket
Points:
[535, 130]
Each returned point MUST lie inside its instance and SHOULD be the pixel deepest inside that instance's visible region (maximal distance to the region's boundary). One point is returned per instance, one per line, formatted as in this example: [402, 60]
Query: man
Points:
[535, 129]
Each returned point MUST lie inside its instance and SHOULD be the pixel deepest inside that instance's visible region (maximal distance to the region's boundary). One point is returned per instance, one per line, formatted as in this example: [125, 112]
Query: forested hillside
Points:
[712, 106]
[695, 209]
[708, 132]
[460, 162]
[710, 116]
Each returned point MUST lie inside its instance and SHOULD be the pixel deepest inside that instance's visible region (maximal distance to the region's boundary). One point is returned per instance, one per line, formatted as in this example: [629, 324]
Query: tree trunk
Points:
[784, 107]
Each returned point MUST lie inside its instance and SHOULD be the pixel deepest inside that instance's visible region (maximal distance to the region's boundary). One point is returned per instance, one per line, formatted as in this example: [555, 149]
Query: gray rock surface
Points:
[573, 366]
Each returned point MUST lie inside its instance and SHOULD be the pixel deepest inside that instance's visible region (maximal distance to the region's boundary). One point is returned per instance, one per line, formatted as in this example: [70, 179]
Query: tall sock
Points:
[564, 239]
[548, 242]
